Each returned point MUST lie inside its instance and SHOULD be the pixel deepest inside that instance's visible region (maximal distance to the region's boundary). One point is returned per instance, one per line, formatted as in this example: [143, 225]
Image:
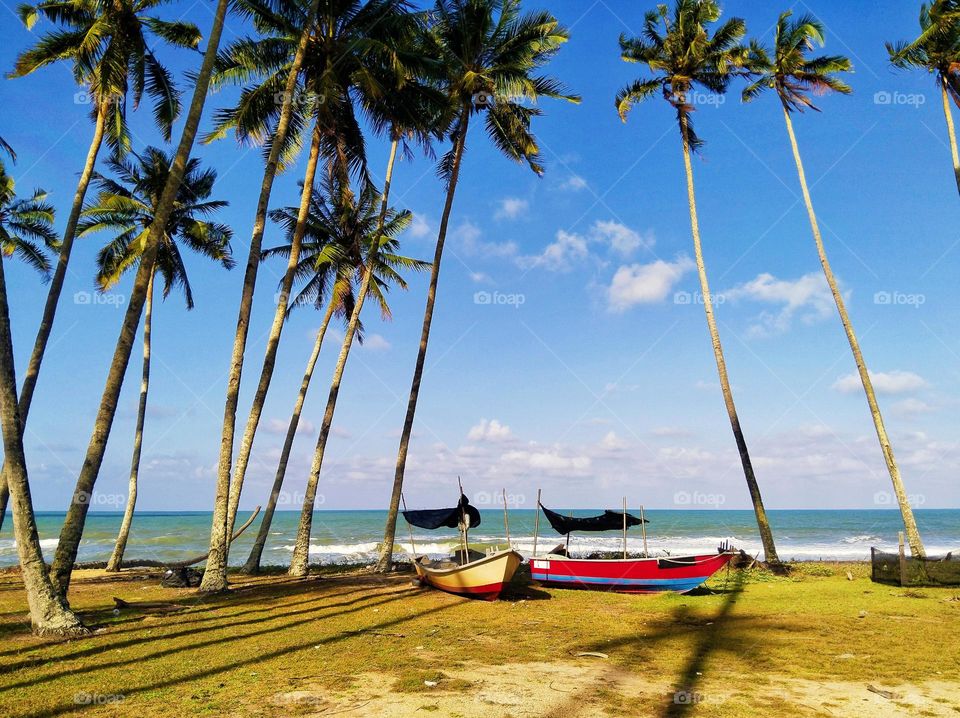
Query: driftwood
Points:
[198, 559]
[889, 695]
[152, 606]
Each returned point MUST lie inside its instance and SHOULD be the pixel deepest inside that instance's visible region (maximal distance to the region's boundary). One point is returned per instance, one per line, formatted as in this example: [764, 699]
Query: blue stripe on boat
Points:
[671, 583]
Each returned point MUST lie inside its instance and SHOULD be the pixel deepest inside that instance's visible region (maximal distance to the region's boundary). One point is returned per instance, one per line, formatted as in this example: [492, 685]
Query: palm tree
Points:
[72, 531]
[489, 53]
[332, 261]
[125, 206]
[681, 54]
[349, 62]
[937, 51]
[793, 76]
[108, 46]
[8, 149]
[22, 222]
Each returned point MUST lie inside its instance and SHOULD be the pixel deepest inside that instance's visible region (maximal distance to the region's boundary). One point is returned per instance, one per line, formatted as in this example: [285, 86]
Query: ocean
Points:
[353, 536]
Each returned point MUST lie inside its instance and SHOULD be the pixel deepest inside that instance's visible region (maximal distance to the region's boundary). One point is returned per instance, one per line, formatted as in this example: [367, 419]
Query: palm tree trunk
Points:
[390, 529]
[221, 502]
[116, 558]
[952, 134]
[48, 612]
[252, 565]
[56, 287]
[299, 563]
[66, 553]
[215, 573]
[766, 535]
[913, 535]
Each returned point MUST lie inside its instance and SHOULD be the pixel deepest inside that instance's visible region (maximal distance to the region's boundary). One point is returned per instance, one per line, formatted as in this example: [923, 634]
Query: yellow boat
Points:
[482, 578]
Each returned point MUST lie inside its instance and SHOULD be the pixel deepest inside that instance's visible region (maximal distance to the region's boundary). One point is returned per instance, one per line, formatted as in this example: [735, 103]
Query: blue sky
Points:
[588, 372]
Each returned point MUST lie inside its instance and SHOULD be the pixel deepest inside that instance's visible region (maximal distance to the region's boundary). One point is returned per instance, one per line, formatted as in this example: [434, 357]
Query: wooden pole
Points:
[413, 546]
[464, 523]
[643, 531]
[536, 524]
[903, 560]
[506, 522]
[624, 526]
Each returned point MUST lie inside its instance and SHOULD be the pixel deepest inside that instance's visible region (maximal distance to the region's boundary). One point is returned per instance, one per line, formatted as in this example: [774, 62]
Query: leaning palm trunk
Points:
[299, 564]
[69, 543]
[913, 535]
[215, 573]
[116, 558]
[766, 535]
[253, 561]
[389, 533]
[218, 538]
[56, 287]
[48, 612]
[951, 133]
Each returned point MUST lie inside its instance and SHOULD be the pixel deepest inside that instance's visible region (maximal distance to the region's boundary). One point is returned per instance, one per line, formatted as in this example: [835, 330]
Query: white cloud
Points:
[469, 236]
[491, 430]
[807, 297]
[376, 343]
[672, 432]
[549, 460]
[645, 283]
[480, 277]
[559, 255]
[892, 382]
[912, 407]
[420, 226]
[612, 442]
[511, 208]
[280, 426]
[621, 239]
[574, 183]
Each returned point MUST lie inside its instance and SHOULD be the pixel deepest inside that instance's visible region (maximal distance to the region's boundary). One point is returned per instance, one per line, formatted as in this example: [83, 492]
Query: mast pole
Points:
[643, 530]
[536, 524]
[624, 526]
[464, 526]
[413, 546]
[506, 522]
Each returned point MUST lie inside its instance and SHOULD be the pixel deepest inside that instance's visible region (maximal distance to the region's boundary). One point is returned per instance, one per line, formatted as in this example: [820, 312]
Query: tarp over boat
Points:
[449, 518]
[607, 521]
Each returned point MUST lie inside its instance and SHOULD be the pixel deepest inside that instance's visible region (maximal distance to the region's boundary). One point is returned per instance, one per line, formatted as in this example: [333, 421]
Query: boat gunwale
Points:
[473, 564]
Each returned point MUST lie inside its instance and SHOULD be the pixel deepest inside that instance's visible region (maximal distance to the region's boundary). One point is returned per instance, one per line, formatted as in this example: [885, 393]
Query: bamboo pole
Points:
[903, 560]
[536, 524]
[413, 546]
[624, 526]
[464, 525]
[506, 522]
[643, 531]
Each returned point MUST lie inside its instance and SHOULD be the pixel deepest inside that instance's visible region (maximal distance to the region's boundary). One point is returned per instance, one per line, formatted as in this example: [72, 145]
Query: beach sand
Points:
[354, 644]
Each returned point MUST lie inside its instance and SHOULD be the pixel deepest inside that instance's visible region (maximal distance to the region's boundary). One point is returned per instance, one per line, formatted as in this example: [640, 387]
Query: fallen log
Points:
[198, 559]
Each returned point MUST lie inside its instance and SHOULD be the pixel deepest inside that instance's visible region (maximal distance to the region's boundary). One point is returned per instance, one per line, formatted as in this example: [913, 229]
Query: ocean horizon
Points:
[353, 536]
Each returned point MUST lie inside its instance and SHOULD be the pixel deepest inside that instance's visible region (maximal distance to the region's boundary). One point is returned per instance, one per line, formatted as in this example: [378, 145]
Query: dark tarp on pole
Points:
[449, 518]
[607, 521]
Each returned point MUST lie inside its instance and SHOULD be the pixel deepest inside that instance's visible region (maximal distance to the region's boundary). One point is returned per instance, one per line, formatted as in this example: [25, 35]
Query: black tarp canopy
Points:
[449, 518]
[607, 521]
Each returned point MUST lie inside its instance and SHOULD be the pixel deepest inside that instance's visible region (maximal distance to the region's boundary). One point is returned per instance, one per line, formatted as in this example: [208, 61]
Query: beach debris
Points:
[862, 614]
[849, 576]
[889, 695]
[181, 577]
[148, 606]
[431, 684]
[846, 656]
[591, 654]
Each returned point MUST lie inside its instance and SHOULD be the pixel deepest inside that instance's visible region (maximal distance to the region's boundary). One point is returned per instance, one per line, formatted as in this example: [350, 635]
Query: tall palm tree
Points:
[125, 207]
[489, 54]
[69, 541]
[109, 48]
[937, 50]
[350, 61]
[22, 223]
[681, 54]
[793, 76]
[339, 236]
[8, 150]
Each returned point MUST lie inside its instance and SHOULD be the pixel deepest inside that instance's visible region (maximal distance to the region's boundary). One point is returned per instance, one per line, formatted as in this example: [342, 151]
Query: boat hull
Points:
[678, 574]
[483, 578]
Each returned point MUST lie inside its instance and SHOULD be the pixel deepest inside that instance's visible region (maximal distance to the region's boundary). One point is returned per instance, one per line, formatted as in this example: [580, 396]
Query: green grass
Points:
[351, 636]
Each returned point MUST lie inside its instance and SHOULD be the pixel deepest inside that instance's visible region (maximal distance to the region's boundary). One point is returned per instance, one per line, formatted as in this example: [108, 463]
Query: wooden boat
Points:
[474, 575]
[678, 574]
[482, 578]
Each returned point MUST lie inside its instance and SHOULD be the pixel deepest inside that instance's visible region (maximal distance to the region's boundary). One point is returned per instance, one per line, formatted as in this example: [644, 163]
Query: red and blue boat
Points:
[678, 574]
